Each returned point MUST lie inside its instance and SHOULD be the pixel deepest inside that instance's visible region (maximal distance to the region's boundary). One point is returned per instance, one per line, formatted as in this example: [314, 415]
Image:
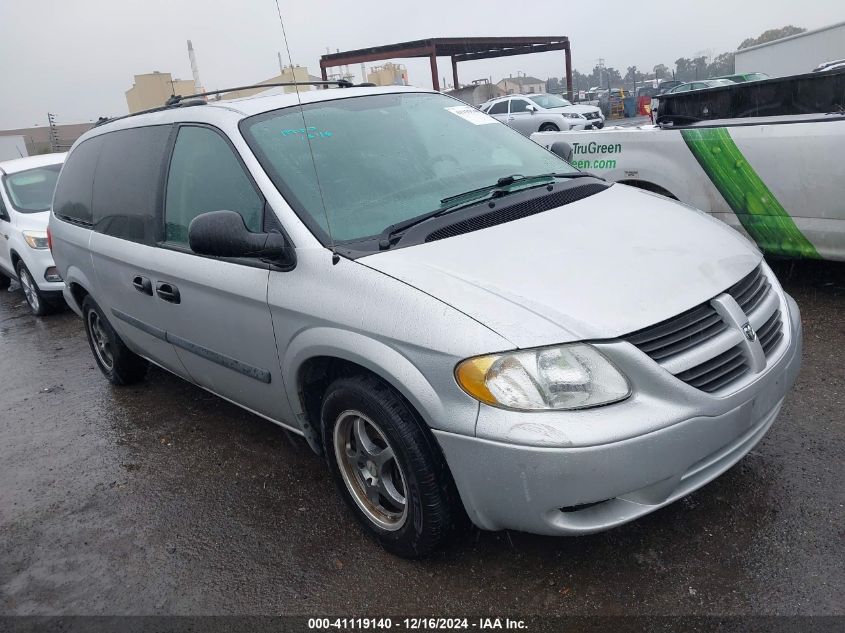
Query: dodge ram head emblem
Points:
[749, 332]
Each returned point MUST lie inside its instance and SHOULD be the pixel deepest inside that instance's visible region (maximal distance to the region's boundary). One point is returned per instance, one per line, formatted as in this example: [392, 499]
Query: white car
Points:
[543, 113]
[25, 198]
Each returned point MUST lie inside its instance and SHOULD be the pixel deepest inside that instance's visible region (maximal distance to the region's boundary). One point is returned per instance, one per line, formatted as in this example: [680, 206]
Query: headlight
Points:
[36, 239]
[571, 115]
[573, 376]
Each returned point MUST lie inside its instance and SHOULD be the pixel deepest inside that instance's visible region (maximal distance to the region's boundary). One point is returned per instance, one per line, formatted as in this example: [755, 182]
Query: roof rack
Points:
[340, 83]
[178, 101]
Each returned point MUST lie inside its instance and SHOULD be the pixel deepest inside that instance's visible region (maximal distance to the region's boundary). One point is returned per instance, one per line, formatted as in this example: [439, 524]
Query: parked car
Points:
[25, 197]
[700, 85]
[544, 113]
[824, 67]
[741, 78]
[667, 84]
[460, 321]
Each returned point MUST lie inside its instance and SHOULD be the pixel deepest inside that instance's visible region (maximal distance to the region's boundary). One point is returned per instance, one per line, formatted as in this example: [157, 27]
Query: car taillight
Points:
[49, 239]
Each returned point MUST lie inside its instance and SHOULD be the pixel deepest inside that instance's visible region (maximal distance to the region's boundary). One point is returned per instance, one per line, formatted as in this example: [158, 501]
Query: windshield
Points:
[550, 101]
[385, 158]
[31, 191]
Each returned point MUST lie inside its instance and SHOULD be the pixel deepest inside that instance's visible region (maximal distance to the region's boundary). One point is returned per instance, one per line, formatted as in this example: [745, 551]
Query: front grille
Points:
[771, 333]
[716, 372]
[681, 343]
[750, 290]
[508, 213]
[591, 115]
[679, 333]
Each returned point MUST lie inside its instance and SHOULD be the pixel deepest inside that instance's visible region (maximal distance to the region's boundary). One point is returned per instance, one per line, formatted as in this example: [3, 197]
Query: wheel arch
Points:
[315, 357]
[79, 285]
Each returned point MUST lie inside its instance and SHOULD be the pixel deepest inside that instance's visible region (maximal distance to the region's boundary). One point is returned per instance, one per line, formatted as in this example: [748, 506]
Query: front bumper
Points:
[578, 489]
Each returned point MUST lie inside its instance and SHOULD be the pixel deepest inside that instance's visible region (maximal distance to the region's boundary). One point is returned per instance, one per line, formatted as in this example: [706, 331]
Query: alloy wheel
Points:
[100, 339]
[29, 291]
[370, 470]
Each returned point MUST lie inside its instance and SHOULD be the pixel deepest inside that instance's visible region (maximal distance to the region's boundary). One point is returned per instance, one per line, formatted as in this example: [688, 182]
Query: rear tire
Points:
[36, 301]
[118, 363]
[388, 467]
[549, 127]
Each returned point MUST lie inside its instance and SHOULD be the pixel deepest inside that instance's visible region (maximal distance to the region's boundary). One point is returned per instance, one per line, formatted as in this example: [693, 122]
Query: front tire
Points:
[388, 467]
[549, 127]
[34, 299]
[118, 363]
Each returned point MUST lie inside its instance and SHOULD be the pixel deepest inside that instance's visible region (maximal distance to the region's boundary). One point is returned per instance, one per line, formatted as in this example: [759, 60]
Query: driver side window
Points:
[206, 175]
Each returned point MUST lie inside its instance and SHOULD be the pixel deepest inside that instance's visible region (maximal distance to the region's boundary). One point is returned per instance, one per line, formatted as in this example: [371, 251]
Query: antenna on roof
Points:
[342, 83]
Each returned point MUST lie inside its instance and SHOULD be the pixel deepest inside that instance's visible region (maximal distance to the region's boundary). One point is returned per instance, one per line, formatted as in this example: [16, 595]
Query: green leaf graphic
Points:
[760, 213]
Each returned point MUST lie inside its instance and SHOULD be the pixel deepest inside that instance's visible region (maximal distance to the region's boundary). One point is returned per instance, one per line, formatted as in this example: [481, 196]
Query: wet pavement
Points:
[163, 499]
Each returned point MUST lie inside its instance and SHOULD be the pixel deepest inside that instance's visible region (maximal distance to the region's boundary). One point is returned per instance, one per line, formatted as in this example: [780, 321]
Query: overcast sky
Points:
[76, 58]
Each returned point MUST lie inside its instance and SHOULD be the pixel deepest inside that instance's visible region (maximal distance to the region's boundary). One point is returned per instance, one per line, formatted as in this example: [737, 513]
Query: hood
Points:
[32, 221]
[580, 109]
[598, 268]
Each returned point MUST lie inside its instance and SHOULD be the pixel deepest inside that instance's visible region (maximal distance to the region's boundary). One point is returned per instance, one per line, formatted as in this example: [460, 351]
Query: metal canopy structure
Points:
[459, 49]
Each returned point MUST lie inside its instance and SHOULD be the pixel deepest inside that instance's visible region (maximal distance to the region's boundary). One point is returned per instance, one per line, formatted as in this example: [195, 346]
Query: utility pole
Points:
[54, 133]
[601, 72]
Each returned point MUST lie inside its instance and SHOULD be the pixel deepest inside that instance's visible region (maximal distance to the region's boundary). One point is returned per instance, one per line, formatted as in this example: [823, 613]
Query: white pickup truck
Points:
[780, 180]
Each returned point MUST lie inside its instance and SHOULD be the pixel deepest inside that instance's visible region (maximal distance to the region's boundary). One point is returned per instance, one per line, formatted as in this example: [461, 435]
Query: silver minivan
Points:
[462, 323]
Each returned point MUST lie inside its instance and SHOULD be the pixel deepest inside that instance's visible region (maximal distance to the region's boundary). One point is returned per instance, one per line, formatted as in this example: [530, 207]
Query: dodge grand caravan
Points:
[461, 322]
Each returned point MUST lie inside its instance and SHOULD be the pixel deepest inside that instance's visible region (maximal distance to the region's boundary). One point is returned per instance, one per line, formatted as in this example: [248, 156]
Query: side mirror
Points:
[224, 234]
[564, 150]
[532, 109]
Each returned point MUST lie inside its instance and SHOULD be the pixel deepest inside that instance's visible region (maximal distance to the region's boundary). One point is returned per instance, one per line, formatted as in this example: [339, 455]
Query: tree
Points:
[615, 77]
[661, 71]
[683, 69]
[553, 85]
[721, 65]
[632, 75]
[771, 35]
[699, 68]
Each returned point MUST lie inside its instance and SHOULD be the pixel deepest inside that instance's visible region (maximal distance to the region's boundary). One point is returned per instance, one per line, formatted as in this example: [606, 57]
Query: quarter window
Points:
[76, 182]
[206, 175]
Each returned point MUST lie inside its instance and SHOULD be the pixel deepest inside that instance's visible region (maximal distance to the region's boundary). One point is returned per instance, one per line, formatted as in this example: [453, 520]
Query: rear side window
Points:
[206, 175]
[76, 183]
[128, 183]
[499, 108]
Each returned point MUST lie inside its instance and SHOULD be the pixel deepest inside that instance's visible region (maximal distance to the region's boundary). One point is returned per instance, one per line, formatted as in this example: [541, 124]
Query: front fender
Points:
[447, 408]
[375, 356]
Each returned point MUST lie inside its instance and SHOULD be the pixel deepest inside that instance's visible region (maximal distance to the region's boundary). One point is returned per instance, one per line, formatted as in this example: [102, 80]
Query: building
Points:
[522, 85]
[288, 74]
[793, 55]
[477, 92]
[37, 139]
[153, 89]
[388, 74]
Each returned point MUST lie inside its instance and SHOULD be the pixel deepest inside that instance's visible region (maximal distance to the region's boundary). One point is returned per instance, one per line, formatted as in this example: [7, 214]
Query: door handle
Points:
[167, 292]
[142, 285]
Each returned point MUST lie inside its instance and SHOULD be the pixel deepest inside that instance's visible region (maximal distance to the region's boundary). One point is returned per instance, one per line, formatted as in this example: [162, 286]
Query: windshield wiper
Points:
[502, 187]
